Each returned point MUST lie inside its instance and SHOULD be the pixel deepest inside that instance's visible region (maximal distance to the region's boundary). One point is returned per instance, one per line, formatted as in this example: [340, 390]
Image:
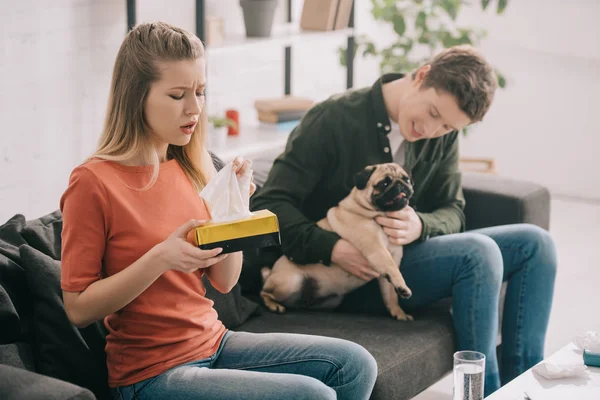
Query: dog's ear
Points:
[362, 178]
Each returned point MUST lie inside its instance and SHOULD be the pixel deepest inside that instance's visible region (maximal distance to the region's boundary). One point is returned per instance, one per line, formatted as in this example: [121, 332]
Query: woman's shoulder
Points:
[90, 173]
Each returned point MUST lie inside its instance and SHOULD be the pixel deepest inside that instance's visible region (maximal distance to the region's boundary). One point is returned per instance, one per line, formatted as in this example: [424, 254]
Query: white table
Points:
[540, 388]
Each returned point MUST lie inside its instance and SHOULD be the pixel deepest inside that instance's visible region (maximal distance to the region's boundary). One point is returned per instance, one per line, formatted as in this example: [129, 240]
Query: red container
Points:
[235, 116]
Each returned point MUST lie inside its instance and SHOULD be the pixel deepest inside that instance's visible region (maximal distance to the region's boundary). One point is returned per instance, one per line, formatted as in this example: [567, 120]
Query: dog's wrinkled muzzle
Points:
[394, 198]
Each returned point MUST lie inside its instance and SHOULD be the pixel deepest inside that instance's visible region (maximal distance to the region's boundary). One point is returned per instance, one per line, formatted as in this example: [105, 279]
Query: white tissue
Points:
[557, 371]
[589, 340]
[227, 195]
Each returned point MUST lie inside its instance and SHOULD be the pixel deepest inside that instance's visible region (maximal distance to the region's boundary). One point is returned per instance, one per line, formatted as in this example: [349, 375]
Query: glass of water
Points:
[469, 372]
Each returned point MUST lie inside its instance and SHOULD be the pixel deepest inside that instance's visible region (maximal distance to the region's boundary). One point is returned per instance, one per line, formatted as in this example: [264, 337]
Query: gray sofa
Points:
[43, 356]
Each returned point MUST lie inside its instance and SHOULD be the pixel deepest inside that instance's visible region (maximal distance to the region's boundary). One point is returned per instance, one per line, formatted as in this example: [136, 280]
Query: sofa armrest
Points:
[17, 383]
[492, 200]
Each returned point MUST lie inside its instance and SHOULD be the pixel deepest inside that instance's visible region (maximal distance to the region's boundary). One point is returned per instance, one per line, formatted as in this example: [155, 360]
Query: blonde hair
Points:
[126, 134]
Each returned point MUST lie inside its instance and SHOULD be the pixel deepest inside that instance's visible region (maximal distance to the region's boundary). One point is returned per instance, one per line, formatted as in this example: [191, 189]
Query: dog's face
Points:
[386, 187]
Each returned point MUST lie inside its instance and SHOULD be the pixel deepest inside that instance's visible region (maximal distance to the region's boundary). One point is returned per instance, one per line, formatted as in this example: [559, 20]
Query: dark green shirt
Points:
[336, 139]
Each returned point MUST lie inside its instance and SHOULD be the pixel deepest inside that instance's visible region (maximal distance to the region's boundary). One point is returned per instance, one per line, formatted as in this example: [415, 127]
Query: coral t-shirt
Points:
[108, 224]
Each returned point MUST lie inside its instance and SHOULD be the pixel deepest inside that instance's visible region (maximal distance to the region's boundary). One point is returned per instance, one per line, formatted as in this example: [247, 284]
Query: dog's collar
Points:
[380, 117]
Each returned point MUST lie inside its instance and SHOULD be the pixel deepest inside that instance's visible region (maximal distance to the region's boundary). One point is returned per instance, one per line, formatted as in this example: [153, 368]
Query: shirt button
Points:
[387, 127]
[386, 149]
[379, 124]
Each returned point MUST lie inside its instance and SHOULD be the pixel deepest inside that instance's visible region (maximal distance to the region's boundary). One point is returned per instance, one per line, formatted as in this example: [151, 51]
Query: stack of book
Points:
[282, 109]
[325, 15]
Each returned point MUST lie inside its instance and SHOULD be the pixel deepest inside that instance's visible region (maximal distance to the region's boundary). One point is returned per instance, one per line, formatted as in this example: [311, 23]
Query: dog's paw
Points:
[400, 315]
[403, 292]
[276, 308]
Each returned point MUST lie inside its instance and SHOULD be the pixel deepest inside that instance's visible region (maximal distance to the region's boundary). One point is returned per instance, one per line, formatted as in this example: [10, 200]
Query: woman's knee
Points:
[358, 364]
[310, 388]
[483, 259]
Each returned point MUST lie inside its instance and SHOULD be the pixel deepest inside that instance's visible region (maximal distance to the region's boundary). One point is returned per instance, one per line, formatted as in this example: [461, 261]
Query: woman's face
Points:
[175, 101]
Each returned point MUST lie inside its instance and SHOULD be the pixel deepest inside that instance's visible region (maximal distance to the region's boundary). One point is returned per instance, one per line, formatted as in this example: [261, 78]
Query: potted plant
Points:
[217, 134]
[258, 17]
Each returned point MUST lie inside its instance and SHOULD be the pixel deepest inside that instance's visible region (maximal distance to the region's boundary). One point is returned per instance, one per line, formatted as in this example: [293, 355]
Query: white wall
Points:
[56, 61]
[542, 127]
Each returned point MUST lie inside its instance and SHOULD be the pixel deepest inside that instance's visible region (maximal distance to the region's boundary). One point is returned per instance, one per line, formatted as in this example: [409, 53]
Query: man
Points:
[415, 120]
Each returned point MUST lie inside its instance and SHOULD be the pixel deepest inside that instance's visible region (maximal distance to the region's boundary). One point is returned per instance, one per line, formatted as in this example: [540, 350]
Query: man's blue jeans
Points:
[266, 366]
[471, 267]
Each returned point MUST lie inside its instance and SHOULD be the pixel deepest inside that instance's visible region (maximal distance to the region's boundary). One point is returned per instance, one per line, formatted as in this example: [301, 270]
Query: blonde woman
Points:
[125, 259]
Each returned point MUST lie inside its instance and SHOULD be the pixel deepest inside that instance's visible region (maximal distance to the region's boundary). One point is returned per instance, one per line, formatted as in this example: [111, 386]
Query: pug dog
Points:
[378, 189]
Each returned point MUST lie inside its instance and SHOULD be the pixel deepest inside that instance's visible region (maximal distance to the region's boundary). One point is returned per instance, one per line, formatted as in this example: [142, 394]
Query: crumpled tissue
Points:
[588, 340]
[557, 371]
[227, 195]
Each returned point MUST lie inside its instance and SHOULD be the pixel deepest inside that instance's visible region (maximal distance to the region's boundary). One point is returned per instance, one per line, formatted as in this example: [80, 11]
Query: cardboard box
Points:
[259, 230]
[342, 19]
[318, 15]
[325, 15]
[283, 104]
[215, 31]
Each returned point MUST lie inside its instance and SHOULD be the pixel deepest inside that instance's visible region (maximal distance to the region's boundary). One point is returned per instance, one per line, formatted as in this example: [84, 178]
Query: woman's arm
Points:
[109, 295]
[225, 274]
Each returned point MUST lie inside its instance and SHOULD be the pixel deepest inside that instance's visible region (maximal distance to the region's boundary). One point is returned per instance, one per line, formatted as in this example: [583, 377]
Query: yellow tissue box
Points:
[261, 229]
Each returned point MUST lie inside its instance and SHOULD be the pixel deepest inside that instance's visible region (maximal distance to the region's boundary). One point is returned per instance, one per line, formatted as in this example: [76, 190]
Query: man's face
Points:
[425, 113]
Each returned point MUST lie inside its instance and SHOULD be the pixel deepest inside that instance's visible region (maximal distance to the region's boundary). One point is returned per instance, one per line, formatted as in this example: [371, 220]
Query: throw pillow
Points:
[61, 350]
[44, 234]
[233, 308]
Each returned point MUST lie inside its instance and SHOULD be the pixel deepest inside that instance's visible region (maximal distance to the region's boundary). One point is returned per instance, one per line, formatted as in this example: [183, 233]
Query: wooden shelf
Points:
[287, 34]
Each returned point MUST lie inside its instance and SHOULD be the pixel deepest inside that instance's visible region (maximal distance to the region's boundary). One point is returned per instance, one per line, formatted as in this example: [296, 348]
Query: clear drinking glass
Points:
[469, 372]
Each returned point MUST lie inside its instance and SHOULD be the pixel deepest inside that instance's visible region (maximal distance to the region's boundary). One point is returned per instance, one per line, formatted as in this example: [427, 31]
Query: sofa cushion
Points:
[15, 306]
[18, 384]
[410, 355]
[18, 354]
[44, 234]
[233, 308]
[61, 350]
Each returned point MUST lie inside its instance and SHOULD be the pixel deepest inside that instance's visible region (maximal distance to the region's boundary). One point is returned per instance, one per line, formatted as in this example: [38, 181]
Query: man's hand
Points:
[402, 227]
[352, 261]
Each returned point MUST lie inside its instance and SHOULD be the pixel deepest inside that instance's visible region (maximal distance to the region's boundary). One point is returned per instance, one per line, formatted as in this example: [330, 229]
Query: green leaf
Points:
[425, 38]
[501, 79]
[369, 49]
[485, 3]
[342, 55]
[451, 7]
[501, 6]
[399, 24]
[421, 21]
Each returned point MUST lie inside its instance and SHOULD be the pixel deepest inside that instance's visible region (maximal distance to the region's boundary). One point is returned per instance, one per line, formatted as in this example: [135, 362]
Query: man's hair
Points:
[463, 72]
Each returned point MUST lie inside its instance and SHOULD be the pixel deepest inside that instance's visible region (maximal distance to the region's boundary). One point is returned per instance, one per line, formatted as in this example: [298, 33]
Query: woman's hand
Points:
[240, 166]
[178, 254]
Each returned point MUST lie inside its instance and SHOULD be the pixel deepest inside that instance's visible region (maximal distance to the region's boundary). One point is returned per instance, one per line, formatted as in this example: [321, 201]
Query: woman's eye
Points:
[200, 94]
[176, 97]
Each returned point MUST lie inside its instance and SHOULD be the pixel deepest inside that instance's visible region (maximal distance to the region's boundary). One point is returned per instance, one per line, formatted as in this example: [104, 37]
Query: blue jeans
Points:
[471, 267]
[266, 366]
